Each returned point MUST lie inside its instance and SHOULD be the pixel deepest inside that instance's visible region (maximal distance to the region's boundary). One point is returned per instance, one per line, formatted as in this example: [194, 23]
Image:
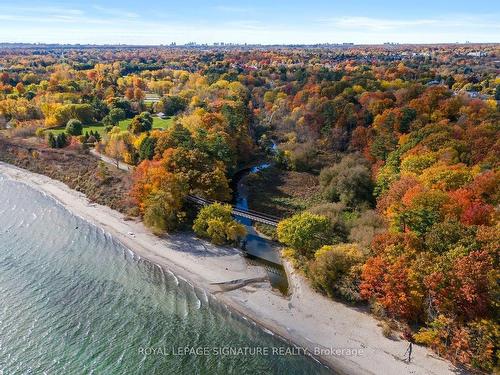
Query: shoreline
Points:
[305, 318]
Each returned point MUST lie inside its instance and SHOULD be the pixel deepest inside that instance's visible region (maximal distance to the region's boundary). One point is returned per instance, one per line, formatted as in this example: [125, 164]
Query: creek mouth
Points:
[257, 249]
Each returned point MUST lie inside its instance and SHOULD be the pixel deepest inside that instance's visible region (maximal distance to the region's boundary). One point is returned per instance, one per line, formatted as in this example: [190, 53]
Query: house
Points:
[433, 83]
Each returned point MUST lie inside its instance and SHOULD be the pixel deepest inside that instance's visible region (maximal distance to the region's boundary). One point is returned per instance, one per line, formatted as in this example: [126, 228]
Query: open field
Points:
[282, 193]
[158, 123]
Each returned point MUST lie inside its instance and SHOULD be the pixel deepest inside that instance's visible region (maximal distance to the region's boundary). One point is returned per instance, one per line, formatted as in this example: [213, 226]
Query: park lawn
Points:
[158, 123]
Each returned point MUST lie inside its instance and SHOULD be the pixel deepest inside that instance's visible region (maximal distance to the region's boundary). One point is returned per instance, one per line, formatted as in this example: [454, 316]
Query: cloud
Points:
[115, 12]
[100, 24]
[378, 24]
[36, 10]
[382, 24]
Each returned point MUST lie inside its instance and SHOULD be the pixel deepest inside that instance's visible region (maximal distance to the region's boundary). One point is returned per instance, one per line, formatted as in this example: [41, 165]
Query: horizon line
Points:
[232, 44]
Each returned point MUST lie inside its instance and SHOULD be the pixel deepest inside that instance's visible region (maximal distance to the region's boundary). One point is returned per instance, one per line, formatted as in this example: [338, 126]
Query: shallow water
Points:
[74, 301]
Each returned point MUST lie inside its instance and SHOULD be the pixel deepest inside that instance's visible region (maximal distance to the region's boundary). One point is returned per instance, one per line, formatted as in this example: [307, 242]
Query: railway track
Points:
[248, 214]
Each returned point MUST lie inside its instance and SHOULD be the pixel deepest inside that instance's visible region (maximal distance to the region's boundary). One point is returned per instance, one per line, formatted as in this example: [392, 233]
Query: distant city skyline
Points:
[252, 22]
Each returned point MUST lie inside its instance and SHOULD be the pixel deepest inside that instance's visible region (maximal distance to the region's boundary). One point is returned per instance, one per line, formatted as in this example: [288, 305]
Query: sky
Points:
[156, 22]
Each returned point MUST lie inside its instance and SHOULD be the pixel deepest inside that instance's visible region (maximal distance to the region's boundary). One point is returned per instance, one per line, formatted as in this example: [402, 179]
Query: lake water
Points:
[74, 301]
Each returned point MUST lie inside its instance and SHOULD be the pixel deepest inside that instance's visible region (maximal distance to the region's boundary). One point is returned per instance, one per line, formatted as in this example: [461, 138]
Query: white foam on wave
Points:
[175, 277]
[268, 331]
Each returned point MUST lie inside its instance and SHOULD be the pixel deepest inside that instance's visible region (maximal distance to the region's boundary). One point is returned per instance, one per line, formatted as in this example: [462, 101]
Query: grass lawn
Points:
[158, 123]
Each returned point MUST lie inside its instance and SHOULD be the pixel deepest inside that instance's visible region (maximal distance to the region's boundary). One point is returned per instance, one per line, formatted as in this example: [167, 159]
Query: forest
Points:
[384, 162]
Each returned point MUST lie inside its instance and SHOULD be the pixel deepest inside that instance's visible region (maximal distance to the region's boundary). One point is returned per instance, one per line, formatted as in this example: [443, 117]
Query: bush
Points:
[61, 140]
[22, 131]
[335, 214]
[74, 127]
[387, 330]
[365, 227]
[335, 270]
[51, 140]
[216, 223]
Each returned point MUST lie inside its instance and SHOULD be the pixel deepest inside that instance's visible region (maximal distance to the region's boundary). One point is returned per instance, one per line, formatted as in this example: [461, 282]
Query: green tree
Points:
[74, 127]
[100, 108]
[51, 140]
[147, 148]
[123, 104]
[383, 144]
[171, 105]
[141, 123]
[61, 140]
[216, 223]
[163, 209]
[114, 117]
[82, 112]
[305, 232]
[444, 236]
[348, 181]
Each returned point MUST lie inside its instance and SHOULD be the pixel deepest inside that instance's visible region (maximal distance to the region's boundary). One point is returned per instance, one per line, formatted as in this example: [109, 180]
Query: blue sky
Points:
[265, 22]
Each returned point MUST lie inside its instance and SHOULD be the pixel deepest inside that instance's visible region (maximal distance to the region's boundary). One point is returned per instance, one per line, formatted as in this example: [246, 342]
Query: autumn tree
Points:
[349, 181]
[216, 223]
[304, 232]
[141, 123]
[335, 270]
[160, 196]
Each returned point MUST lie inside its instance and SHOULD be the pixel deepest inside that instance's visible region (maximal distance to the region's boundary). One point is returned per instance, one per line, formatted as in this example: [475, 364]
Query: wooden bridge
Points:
[247, 214]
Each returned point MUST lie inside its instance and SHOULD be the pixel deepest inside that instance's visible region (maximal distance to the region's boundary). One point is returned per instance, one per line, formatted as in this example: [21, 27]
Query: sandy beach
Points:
[346, 339]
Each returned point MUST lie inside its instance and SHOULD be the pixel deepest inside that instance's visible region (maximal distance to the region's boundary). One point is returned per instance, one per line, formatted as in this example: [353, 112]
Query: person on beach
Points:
[407, 335]
[409, 351]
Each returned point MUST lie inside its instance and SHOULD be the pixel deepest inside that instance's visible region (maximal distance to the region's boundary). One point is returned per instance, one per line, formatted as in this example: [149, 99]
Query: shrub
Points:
[335, 270]
[387, 330]
[365, 227]
[335, 214]
[61, 140]
[22, 131]
[40, 132]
